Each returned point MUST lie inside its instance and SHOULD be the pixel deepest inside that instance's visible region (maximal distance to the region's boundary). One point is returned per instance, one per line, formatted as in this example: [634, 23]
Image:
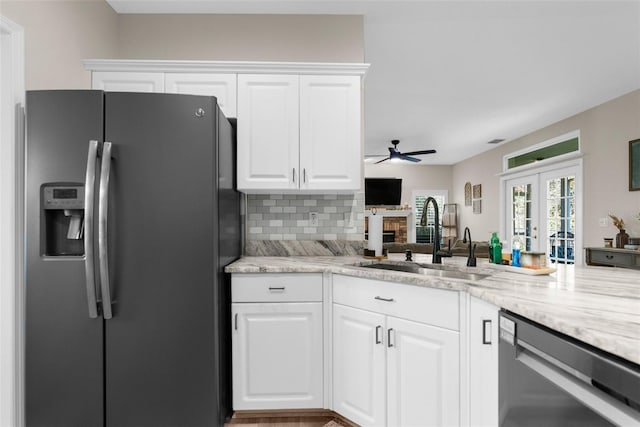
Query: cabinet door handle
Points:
[304, 175]
[389, 342]
[276, 288]
[609, 256]
[378, 330]
[379, 298]
[293, 174]
[235, 321]
[486, 332]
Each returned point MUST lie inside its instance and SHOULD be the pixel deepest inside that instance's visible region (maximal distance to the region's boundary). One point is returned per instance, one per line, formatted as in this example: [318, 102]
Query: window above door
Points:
[553, 150]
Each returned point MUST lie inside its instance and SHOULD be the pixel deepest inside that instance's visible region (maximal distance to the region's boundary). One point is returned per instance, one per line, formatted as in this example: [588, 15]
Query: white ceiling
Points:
[453, 75]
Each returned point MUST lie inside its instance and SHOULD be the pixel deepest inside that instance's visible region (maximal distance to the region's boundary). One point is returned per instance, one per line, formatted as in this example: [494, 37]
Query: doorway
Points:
[11, 222]
[543, 208]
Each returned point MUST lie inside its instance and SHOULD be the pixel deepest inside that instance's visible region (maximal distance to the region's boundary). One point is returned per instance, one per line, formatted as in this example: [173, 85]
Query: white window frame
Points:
[532, 166]
[426, 193]
[576, 167]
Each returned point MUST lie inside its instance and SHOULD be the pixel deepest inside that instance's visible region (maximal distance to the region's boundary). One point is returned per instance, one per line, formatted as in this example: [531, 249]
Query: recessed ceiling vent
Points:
[496, 141]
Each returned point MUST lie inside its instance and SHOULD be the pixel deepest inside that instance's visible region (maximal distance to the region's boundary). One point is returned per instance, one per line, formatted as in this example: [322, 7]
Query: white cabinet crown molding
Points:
[241, 67]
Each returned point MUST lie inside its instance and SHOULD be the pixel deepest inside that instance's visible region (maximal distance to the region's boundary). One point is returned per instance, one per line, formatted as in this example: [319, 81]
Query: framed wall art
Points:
[477, 191]
[467, 194]
[477, 206]
[634, 165]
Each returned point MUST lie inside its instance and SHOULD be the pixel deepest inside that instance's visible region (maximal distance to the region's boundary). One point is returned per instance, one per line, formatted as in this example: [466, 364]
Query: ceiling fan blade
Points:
[380, 161]
[409, 158]
[417, 153]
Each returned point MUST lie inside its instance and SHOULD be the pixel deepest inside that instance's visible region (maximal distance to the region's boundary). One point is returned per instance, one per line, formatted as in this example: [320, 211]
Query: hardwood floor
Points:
[304, 418]
[285, 422]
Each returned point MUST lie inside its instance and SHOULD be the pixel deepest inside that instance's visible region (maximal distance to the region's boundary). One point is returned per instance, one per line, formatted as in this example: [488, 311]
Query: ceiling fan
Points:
[395, 155]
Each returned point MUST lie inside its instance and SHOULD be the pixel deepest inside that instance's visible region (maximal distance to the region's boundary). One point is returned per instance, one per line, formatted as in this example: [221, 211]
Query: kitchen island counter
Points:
[597, 305]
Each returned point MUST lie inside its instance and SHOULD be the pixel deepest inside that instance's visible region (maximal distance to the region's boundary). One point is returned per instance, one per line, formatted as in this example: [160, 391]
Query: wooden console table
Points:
[626, 258]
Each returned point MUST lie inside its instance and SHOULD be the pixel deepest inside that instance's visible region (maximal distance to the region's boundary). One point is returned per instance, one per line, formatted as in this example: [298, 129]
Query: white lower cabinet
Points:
[277, 345]
[393, 350]
[389, 371]
[359, 378]
[423, 371]
[483, 363]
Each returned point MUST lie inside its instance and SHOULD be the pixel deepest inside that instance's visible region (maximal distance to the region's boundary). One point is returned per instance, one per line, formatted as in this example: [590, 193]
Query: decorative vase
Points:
[622, 238]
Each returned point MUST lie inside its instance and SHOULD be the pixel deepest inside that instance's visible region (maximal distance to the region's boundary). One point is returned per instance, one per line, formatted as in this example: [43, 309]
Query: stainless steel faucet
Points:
[471, 260]
[437, 254]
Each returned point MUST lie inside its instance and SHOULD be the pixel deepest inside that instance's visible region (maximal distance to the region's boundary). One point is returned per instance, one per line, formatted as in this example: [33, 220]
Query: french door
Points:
[543, 209]
[522, 197]
[560, 216]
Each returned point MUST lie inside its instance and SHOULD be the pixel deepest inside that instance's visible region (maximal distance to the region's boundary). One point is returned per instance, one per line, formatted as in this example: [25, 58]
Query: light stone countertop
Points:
[597, 305]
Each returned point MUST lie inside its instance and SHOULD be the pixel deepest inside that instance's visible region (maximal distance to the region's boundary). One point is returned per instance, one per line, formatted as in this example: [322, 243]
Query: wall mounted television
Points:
[382, 191]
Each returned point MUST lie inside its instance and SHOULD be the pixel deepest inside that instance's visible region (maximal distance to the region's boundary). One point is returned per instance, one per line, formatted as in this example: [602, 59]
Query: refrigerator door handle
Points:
[103, 246]
[89, 266]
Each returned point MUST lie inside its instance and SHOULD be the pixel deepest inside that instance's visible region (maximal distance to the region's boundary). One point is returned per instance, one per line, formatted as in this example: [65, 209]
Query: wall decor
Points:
[477, 191]
[467, 194]
[477, 206]
[634, 165]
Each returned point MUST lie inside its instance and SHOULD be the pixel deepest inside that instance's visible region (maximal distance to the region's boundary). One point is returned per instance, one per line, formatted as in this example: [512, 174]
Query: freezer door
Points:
[63, 355]
[161, 351]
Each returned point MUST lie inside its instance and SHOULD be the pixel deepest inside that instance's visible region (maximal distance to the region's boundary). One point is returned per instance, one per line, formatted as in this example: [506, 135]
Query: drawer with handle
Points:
[276, 287]
[437, 307]
[605, 257]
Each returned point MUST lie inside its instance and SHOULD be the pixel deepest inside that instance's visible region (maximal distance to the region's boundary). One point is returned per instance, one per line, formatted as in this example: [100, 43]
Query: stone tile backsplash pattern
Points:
[286, 216]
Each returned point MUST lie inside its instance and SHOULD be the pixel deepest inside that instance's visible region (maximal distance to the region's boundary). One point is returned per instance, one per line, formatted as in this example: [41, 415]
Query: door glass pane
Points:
[561, 219]
[521, 215]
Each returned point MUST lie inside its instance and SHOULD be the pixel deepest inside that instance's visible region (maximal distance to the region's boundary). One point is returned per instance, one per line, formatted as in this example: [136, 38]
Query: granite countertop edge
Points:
[597, 305]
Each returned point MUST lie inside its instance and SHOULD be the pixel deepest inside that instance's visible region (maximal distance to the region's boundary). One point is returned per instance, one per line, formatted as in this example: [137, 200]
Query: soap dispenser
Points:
[516, 248]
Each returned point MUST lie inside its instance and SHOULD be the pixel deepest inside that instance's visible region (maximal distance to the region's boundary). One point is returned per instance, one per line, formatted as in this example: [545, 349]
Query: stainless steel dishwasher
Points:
[549, 379]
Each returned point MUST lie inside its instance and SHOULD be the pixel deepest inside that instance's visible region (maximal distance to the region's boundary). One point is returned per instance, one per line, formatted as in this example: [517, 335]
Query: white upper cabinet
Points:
[222, 86]
[299, 124]
[268, 132]
[330, 152]
[119, 81]
[299, 133]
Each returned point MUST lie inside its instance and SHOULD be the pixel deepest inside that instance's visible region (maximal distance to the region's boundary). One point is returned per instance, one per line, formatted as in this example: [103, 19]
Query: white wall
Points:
[58, 35]
[296, 38]
[605, 132]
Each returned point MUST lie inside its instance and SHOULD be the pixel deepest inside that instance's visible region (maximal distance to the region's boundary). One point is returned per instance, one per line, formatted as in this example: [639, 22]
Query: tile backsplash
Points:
[287, 216]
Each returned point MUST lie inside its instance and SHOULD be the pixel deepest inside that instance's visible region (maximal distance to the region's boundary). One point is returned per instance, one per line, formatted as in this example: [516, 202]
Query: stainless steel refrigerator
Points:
[131, 217]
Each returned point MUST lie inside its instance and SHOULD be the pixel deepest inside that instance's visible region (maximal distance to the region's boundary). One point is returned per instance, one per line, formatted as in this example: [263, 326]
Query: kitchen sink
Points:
[429, 270]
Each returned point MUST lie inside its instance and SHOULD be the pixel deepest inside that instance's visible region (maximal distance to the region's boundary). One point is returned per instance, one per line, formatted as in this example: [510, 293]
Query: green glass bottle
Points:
[495, 249]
